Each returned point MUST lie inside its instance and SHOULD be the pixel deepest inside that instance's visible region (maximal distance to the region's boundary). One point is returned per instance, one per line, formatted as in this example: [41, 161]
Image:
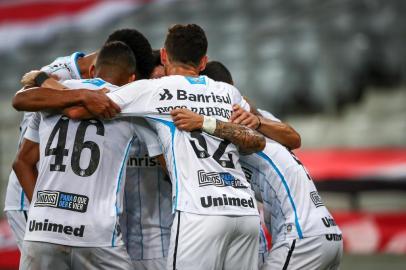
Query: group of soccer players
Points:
[131, 158]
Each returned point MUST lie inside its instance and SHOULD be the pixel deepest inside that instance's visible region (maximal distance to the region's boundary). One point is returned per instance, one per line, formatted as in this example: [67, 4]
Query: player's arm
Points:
[25, 167]
[278, 131]
[41, 98]
[248, 140]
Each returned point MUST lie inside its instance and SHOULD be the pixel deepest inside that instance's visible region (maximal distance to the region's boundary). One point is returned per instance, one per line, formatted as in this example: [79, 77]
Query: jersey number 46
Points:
[79, 145]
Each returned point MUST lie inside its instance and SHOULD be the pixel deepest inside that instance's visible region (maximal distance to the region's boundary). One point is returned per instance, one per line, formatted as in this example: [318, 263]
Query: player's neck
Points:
[179, 69]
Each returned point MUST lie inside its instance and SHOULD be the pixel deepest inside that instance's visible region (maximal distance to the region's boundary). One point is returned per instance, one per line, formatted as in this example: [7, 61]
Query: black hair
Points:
[215, 70]
[157, 57]
[141, 48]
[117, 54]
[186, 44]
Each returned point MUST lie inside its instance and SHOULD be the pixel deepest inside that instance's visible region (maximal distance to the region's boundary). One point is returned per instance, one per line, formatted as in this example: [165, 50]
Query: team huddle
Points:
[133, 158]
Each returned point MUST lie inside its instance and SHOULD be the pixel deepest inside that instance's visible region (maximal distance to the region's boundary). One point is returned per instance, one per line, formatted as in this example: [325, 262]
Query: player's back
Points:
[65, 68]
[78, 193]
[205, 171]
[289, 195]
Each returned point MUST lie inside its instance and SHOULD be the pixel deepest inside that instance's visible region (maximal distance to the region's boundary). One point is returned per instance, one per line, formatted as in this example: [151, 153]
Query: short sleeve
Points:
[134, 98]
[268, 115]
[148, 136]
[238, 99]
[65, 68]
[32, 132]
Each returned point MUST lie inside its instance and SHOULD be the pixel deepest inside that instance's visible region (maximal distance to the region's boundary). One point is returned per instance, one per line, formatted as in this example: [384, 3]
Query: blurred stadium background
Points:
[334, 69]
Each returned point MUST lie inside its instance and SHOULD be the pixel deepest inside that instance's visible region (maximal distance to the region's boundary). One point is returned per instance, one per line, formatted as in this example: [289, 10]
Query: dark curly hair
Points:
[141, 48]
[215, 70]
[186, 44]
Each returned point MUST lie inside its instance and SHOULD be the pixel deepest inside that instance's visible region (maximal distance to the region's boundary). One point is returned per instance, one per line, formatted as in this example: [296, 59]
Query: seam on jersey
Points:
[299, 229]
[120, 176]
[139, 200]
[172, 129]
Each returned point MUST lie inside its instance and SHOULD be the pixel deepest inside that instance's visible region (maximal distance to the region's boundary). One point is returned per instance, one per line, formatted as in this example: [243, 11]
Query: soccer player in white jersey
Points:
[286, 167]
[147, 217]
[304, 233]
[216, 222]
[273, 128]
[73, 219]
[75, 66]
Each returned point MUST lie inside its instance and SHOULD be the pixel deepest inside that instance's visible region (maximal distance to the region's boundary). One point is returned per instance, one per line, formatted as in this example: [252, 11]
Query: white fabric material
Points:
[292, 206]
[65, 68]
[47, 256]
[79, 190]
[17, 221]
[205, 171]
[152, 264]
[306, 254]
[268, 115]
[147, 217]
[213, 242]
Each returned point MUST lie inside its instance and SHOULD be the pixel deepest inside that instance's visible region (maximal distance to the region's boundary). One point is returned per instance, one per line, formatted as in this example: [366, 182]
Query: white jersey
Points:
[65, 68]
[147, 218]
[292, 206]
[78, 194]
[205, 171]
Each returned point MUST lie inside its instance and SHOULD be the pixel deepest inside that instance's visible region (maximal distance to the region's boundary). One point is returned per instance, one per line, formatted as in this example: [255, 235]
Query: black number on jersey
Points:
[226, 163]
[60, 152]
[300, 163]
[79, 145]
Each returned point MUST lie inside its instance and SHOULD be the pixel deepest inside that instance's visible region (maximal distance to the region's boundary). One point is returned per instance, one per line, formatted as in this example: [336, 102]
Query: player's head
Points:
[141, 48]
[185, 45]
[215, 70]
[115, 64]
[159, 70]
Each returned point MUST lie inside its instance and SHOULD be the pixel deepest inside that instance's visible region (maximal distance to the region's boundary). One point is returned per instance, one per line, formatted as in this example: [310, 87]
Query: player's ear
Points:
[203, 63]
[92, 71]
[164, 57]
[132, 78]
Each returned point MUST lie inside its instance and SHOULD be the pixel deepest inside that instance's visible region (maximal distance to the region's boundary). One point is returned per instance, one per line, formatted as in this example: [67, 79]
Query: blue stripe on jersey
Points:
[159, 208]
[76, 56]
[196, 80]
[95, 81]
[172, 128]
[269, 160]
[120, 176]
[22, 200]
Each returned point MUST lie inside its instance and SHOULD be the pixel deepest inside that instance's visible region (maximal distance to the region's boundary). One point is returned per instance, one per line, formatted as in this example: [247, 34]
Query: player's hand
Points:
[242, 117]
[187, 120]
[29, 78]
[100, 105]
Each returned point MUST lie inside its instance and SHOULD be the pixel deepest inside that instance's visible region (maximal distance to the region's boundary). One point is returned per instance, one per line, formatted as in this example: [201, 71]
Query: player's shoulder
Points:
[93, 84]
[65, 67]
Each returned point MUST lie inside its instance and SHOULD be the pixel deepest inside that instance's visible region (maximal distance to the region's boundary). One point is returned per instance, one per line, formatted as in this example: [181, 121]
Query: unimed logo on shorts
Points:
[47, 226]
[209, 201]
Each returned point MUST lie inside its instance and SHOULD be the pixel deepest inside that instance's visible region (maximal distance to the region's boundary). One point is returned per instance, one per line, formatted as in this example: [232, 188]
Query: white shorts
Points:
[152, 264]
[320, 252]
[17, 219]
[202, 242]
[47, 256]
